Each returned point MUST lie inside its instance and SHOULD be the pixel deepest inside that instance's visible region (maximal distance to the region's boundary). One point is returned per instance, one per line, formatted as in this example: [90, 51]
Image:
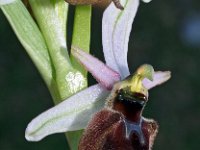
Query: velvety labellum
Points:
[120, 126]
[107, 131]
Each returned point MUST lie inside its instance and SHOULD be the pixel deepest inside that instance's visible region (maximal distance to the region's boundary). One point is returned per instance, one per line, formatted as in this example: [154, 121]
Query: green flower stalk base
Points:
[81, 38]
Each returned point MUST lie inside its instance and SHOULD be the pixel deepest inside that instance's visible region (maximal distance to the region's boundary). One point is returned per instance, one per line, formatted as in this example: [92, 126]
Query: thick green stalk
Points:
[81, 39]
[52, 23]
[61, 9]
[81, 33]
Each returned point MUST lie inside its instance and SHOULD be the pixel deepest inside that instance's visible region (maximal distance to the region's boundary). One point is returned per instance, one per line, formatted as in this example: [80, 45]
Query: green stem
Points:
[81, 39]
[81, 33]
[53, 27]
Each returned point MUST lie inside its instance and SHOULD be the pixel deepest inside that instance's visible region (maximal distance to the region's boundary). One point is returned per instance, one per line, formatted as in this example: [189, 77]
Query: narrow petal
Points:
[72, 114]
[159, 78]
[116, 28]
[146, 1]
[4, 2]
[102, 73]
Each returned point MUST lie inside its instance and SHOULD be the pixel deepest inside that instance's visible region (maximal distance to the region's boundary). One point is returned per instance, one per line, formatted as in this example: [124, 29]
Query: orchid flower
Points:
[75, 112]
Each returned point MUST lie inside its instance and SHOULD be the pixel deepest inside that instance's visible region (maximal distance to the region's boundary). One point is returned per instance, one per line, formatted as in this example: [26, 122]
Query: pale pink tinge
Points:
[100, 71]
[159, 78]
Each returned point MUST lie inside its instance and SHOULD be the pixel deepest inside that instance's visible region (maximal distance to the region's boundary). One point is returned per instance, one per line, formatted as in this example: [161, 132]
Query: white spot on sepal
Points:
[75, 81]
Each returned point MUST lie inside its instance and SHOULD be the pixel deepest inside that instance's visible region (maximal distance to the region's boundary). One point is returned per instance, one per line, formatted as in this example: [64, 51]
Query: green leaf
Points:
[32, 40]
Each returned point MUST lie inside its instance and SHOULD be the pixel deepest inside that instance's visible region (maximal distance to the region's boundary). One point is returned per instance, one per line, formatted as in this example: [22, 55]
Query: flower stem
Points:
[53, 26]
[81, 39]
[81, 33]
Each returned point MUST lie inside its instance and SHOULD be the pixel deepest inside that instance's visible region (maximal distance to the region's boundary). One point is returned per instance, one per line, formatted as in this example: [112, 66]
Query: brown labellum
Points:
[120, 125]
[88, 2]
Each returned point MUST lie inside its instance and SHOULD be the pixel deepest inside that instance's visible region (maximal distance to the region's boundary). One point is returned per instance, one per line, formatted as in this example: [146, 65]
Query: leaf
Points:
[72, 114]
[31, 38]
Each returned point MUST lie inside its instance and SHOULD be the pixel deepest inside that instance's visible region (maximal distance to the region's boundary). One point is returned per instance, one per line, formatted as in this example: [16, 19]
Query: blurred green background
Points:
[165, 34]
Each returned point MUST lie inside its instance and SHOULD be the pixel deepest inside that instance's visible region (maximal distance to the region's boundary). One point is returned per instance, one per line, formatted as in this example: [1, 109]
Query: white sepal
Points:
[72, 114]
[116, 28]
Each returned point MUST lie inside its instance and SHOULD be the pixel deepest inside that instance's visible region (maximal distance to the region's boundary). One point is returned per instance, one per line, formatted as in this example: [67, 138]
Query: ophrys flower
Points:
[76, 111]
